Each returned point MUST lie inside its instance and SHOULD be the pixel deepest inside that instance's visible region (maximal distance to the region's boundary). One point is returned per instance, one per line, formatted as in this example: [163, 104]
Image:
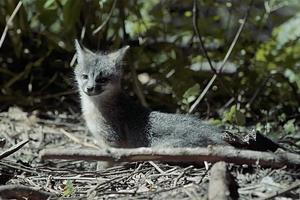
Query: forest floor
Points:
[24, 174]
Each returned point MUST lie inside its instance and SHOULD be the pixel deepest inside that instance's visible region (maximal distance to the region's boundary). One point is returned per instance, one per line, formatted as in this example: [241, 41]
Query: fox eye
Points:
[84, 76]
[101, 80]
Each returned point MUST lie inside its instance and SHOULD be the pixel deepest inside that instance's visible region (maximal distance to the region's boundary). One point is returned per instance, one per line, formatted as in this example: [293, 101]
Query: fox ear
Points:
[117, 56]
[81, 51]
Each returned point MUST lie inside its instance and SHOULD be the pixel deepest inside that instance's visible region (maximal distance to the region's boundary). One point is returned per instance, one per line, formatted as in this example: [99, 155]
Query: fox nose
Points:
[89, 89]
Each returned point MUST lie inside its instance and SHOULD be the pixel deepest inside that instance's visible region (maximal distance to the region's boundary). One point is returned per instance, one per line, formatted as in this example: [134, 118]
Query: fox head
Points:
[97, 72]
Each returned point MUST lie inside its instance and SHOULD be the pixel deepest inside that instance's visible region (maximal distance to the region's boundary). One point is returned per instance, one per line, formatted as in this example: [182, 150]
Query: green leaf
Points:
[50, 5]
[290, 127]
[215, 122]
[288, 31]
[234, 116]
[293, 77]
[191, 94]
[69, 189]
[188, 13]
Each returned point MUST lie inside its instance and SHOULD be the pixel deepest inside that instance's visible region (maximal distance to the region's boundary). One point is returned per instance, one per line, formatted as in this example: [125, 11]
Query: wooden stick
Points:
[211, 154]
[9, 22]
[13, 149]
[23, 192]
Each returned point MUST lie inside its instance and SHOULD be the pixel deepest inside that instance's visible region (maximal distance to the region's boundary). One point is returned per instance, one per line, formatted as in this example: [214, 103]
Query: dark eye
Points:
[101, 80]
[84, 76]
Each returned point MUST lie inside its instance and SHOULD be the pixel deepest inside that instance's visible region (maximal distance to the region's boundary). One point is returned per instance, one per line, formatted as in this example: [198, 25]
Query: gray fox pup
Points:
[117, 121]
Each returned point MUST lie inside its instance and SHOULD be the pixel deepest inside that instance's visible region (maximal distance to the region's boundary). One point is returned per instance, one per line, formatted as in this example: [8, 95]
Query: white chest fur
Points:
[94, 119]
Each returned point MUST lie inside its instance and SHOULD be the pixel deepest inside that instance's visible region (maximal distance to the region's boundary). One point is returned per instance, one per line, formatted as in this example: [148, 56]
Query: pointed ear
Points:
[118, 55]
[81, 51]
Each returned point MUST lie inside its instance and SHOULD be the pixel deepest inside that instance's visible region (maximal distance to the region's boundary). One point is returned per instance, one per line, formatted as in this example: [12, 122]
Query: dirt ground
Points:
[67, 179]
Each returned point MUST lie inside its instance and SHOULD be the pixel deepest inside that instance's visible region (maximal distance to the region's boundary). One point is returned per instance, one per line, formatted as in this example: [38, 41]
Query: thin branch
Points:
[23, 192]
[107, 18]
[211, 154]
[156, 167]
[196, 29]
[77, 140]
[13, 149]
[198, 100]
[9, 22]
[116, 179]
[181, 175]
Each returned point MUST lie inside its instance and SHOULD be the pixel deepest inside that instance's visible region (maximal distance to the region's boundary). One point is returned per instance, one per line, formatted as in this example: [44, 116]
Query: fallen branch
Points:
[13, 149]
[198, 155]
[221, 179]
[22, 192]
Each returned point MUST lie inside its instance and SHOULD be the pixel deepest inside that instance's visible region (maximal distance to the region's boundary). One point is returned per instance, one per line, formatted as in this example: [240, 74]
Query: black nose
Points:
[89, 89]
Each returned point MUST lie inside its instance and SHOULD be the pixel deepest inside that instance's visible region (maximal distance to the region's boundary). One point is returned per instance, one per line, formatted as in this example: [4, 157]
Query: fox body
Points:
[117, 121]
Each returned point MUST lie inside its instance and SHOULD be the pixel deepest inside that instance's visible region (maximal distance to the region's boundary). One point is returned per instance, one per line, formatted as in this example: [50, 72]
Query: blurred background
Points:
[166, 68]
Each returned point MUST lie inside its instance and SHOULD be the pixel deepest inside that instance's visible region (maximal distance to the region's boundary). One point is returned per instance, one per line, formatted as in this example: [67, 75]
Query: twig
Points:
[19, 167]
[211, 154]
[9, 22]
[77, 140]
[198, 100]
[196, 29]
[205, 174]
[16, 77]
[156, 167]
[77, 177]
[23, 192]
[104, 183]
[181, 175]
[292, 187]
[116, 179]
[13, 149]
[107, 18]
[172, 188]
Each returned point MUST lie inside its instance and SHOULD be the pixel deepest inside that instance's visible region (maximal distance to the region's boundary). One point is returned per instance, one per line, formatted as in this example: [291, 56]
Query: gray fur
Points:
[117, 121]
